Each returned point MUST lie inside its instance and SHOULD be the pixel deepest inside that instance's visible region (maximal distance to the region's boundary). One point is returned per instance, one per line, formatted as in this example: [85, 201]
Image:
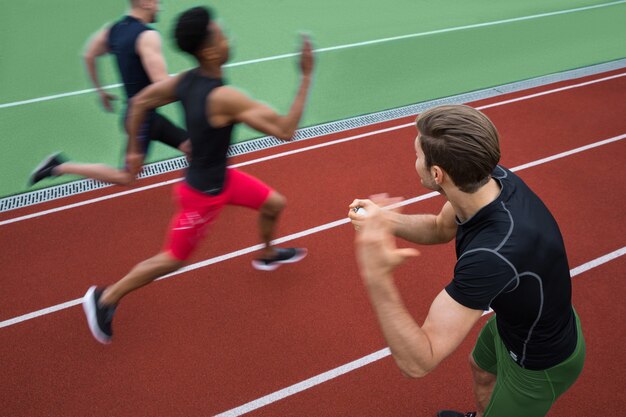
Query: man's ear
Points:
[437, 174]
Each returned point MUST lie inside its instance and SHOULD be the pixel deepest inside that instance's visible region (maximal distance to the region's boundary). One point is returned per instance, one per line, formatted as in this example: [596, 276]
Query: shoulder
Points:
[230, 98]
[149, 37]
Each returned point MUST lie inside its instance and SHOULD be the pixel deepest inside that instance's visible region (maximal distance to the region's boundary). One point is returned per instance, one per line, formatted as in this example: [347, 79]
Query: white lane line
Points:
[297, 235]
[346, 46]
[366, 360]
[304, 149]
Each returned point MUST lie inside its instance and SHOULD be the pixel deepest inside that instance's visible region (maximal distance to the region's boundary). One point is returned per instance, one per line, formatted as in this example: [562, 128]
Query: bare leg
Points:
[185, 148]
[99, 172]
[142, 274]
[483, 385]
[268, 218]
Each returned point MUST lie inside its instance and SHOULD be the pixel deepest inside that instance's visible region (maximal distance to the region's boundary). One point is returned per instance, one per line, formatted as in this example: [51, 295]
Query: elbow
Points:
[414, 372]
[137, 103]
[285, 135]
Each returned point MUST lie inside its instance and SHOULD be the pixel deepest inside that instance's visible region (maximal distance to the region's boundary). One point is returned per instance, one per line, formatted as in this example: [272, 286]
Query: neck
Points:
[140, 14]
[211, 70]
[467, 205]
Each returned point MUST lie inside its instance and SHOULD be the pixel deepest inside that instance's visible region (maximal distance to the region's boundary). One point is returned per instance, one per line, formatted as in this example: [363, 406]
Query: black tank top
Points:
[209, 145]
[122, 39]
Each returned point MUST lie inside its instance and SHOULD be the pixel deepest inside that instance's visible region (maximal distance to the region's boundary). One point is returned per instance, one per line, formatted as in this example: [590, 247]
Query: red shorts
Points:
[196, 210]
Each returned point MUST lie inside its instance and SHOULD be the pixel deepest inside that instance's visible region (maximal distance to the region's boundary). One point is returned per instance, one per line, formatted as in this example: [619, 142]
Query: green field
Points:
[41, 45]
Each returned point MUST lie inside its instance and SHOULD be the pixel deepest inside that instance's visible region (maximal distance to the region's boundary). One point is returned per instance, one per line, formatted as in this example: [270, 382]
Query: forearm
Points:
[92, 70]
[409, 344]
[289, 123]
[417, 228]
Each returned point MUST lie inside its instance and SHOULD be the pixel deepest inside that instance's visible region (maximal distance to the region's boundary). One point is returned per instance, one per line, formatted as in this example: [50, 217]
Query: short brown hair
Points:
[462, 141]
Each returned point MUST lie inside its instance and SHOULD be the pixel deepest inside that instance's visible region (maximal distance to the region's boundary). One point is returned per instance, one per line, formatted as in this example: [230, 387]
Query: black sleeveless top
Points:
[122, 39]
[209, 145]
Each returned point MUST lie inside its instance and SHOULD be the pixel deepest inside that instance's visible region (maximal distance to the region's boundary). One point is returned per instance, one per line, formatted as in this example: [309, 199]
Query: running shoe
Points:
[282, 256]
[449, 413]
[99, 317]
[45, 168]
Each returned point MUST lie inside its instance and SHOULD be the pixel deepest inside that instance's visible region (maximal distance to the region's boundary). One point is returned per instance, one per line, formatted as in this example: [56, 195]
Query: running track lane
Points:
[208, 319]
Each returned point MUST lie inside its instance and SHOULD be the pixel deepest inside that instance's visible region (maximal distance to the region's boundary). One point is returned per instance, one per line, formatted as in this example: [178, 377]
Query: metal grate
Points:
[81, 186]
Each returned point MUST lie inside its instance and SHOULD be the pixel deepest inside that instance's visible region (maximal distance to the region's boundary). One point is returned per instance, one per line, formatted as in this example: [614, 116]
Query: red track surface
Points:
[215, 338]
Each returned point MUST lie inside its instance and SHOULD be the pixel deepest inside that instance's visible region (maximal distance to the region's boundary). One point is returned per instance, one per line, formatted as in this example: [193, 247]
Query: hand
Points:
[376, 250]
[376, 200]
[134, 161]
[106, 100]
[306, 57]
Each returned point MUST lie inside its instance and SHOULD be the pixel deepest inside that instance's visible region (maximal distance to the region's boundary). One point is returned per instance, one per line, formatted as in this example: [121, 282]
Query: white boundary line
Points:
[295, 151]
[346, 46]
[317, 229]
[372, 357]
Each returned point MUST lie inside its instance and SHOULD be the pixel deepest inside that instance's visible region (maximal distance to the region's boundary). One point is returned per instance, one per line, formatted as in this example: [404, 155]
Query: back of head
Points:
[192, 29]
[462, 141]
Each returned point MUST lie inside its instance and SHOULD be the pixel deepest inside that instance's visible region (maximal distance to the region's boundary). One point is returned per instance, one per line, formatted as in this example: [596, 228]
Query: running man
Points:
[211, 111]
[137, 49]
[510, 257]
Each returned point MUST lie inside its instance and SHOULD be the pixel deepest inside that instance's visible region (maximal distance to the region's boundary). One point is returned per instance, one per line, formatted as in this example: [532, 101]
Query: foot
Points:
[449, 413]
[45, 168]
[281, 256]
[99, 317]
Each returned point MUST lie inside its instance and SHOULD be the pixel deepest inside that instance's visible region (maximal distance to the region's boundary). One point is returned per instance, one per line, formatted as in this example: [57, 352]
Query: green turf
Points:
[41, 56]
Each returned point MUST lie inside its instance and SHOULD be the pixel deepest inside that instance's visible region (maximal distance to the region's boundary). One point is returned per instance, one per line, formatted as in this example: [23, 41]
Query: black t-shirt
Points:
[122, 43]
[511, 258]
[209, 145]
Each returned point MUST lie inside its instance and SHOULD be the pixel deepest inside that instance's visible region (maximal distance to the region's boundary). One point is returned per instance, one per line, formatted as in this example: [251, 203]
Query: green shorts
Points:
[522, 392]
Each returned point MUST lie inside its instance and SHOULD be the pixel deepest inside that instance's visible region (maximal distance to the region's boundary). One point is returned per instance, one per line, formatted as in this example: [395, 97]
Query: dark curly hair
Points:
[191, 30]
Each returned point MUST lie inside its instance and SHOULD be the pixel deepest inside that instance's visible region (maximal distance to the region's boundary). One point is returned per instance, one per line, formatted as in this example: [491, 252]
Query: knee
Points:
[274, 205]
[127, 179]
[164, 263]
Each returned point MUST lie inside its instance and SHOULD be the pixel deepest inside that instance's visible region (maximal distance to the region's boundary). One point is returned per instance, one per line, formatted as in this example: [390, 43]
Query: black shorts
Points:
[161, 129]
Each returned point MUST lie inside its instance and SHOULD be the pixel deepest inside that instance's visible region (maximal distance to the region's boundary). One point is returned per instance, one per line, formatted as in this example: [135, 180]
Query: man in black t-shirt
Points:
[510, 258]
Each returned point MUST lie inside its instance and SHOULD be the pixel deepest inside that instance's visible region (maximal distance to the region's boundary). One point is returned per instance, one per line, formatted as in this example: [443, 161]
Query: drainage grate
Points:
[81, 186]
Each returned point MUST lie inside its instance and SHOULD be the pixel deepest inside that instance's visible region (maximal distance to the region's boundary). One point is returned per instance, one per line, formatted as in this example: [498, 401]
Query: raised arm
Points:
[417, 350]
[149, 50]
[96, 47]
[229, 105]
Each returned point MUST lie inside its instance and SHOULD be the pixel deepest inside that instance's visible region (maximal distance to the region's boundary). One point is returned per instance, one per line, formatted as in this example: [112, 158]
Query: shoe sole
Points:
[89, 307]
[40, 166]
[274, 265]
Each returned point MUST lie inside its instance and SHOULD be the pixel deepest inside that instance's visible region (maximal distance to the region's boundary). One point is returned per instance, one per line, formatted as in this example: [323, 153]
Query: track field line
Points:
[346, 46]
[372, 357]
[317, 229]
[295, 151]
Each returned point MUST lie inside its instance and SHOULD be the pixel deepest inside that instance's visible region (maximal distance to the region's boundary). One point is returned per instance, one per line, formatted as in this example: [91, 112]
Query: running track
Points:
[221, 336]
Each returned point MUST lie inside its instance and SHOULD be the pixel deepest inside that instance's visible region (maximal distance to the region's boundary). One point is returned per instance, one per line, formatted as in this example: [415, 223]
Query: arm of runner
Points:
[423, 229]
[416, 350]
[231, 106]
[149, 50]
[153, 96]
[98, 46]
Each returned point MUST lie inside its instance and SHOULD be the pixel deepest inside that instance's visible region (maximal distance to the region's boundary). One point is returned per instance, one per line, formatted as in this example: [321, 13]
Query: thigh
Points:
[484, 353]
[189, 225]
[163, 130]
[523, 392]
[245, 190]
